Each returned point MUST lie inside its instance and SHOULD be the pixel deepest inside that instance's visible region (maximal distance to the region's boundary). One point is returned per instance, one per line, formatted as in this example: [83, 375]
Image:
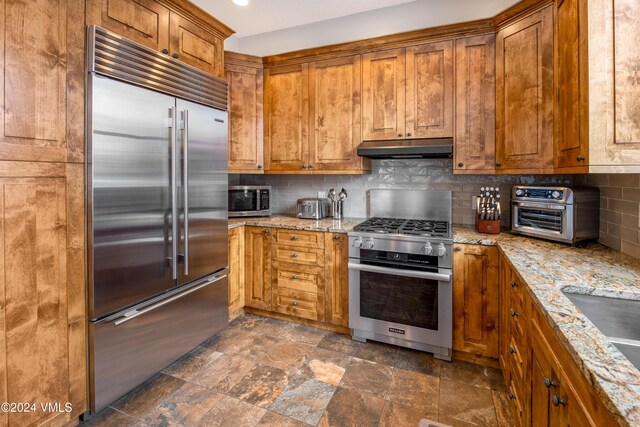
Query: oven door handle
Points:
[398, 272]
[539, 205]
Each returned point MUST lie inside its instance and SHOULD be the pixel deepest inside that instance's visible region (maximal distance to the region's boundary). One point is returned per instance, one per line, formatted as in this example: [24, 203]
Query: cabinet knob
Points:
[511, 396]
[513, 313]
[175, 55]
[557, 401]
[294, 237]
[165, 51]
[548, 382]
[498, 164]
[458, 248]
[310, 166]
[294, 255]
[512, 350]
[304, 166]
[259, 166]
[460, 164]
[295, 277]
[409, 134]
[399, 134]
[336, 237]
[267, 231]
[514, 284]
[580, 158]
[294, 303]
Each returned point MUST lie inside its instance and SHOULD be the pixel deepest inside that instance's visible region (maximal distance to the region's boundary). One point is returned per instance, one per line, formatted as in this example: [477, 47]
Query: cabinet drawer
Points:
[517, 399]
[298, 255]
[297, 303]
[311, 239]
[298, 278]
[517, 316]
[517, 359]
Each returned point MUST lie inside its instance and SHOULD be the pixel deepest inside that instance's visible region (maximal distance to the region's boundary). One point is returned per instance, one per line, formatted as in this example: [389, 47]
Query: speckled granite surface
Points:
[291, 222]
[550, 268]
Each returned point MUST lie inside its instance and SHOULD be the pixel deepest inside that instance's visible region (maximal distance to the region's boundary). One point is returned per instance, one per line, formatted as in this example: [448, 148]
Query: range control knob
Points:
[519, 192]
[357, 243]
[556, 194]
[368, 244]
[441, 250]
[427, 249]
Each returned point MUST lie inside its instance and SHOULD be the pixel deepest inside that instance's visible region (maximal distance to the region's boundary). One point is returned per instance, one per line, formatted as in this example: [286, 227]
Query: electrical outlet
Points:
[474, 202]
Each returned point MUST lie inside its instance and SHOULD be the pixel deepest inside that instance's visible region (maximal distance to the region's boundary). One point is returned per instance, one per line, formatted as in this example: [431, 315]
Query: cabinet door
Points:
[429, 88]
[475, 300]
[335, 114]
[236, 271]
[245, 119]
[475, 105]
[572, 82]
[258, 267]
[505, 280]
[143, 21]
[195, 46]
[524, 98]
[383, 95]
[286, 136]
[337, 288]
[43, 322]
[42, 75]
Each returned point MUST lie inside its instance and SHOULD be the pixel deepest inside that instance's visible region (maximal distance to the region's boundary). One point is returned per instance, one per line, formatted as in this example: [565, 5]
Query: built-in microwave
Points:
[249, 200]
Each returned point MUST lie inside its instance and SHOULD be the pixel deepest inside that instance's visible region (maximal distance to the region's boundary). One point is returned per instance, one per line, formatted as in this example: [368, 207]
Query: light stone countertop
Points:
[549, 268]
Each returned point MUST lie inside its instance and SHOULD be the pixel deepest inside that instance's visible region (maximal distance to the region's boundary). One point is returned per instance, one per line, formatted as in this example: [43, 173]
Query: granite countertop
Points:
[550, 268]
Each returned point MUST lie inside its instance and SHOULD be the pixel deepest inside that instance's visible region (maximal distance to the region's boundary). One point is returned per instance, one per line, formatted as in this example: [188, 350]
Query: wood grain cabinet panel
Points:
[383, 92]
[42, 294]
[335, 114]
[475, 300]
[299, 290]
[246, 141]
[429, 90]
[337, 288]
[192, 44]
[475, 119]
[286, 137]
[258, 267]
[236, 271]
[42, 73]
[524, 98]
[143, 21]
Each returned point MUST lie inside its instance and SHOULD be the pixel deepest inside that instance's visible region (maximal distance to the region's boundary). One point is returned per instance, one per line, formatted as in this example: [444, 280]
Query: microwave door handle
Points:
[174, 194]
[540, 206]
[398, 272]
[185, 189]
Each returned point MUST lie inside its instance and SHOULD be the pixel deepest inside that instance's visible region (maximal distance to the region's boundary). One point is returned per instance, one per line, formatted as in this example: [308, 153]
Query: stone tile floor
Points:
[266, 372]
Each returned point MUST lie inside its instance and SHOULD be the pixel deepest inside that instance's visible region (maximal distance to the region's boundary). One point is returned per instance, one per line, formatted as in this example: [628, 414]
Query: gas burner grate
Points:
[414, 227]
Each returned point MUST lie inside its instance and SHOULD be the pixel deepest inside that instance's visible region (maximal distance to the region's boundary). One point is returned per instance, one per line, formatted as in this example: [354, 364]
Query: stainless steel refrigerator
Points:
[157, 211]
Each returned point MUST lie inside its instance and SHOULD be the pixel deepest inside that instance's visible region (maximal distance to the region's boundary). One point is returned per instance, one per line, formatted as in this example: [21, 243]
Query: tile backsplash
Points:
[619, 210]
[428, 174]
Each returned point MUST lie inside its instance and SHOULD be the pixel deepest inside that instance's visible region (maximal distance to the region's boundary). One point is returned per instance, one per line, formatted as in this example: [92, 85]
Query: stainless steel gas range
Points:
[400, 271]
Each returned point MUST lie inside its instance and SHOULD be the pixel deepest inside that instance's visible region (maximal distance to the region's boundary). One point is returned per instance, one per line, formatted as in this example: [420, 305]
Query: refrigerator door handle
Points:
[135, 313]
[174, 194]
[185, 186]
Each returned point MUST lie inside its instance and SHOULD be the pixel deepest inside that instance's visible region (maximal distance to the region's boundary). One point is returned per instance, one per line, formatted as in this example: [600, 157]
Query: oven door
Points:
[405, 307]
[547, 220]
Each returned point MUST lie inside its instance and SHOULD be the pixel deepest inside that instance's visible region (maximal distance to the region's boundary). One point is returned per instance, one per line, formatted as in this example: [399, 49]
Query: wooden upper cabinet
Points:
[572, 83]
[174, 27]
[475, 300]
[383, 95]
[429, 90]
[42, 72]
[475, 137]
[246, 141]
[195, 46]
[335, 114]
[143, 21]
[524, 97]
[286, 136]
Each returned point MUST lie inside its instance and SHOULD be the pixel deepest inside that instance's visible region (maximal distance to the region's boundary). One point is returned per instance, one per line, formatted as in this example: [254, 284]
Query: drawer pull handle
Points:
[511, 396]
[514, 284]
[512, 350]
[336, 237]
[294, 237]
[295, 277]
[294, 255]
[267, 231]
[557, 401]
[513, 313]
[294, 303]
[548, 382]
[458, 248]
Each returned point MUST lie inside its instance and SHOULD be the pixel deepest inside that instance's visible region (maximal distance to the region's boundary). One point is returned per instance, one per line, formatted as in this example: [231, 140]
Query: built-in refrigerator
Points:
[157, 211]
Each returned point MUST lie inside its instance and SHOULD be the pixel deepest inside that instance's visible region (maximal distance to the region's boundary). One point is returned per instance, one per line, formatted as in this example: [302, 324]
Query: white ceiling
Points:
[268, 27]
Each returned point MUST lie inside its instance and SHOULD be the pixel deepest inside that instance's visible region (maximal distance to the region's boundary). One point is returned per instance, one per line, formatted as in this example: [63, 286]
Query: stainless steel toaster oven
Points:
[562, 214]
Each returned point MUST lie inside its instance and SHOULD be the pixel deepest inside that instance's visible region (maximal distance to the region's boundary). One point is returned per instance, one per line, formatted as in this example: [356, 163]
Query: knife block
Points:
[487, 226]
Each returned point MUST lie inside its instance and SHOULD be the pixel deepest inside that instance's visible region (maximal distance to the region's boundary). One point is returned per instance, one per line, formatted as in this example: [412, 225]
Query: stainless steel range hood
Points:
[432, 148]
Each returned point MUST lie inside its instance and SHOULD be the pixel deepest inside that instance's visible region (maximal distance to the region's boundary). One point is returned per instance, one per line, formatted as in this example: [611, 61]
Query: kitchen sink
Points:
[617, 319]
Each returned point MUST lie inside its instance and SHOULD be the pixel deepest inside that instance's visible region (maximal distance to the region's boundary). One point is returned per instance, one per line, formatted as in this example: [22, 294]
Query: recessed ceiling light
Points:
[241, 2]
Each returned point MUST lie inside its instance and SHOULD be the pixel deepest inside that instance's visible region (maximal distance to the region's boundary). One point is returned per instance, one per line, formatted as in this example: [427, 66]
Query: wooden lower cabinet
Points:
[43, 344]
[236, 272]
[300, 274]
[545, 385]
[475, 300]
